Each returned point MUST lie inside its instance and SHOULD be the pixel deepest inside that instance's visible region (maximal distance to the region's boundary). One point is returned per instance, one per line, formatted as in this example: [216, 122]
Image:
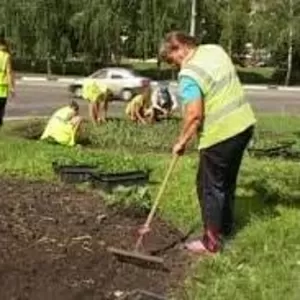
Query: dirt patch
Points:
[53, 246]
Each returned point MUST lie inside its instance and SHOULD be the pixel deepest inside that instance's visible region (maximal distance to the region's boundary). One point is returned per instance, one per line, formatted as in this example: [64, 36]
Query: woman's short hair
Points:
[173, 40]
[4, 43]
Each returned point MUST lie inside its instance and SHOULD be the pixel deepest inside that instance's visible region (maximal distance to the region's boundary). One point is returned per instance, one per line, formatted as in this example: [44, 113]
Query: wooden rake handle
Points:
[158, 198]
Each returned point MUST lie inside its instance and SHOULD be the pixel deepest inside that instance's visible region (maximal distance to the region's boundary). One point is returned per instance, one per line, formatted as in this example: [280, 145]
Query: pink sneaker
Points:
[197, 247]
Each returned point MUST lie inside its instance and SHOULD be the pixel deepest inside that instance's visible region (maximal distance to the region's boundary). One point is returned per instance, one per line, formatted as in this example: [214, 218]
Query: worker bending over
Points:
[163, 102]
[96, 93]
[136, 109]
[215, 105]
[64, 125]
[7, 85]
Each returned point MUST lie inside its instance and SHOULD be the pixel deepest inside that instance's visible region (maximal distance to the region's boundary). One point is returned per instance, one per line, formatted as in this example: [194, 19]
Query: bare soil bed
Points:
[53, 246]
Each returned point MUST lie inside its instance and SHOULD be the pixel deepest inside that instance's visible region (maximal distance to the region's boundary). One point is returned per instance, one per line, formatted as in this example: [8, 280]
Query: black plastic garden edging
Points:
[107, 181]
[74, 173]
[271, 151]
[291, 154]
[282, 152]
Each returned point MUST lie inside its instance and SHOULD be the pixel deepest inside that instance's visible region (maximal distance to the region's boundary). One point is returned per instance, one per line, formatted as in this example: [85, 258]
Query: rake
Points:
[136, 256]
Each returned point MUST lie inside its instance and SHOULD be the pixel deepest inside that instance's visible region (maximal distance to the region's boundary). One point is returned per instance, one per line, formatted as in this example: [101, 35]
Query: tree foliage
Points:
[109, 29]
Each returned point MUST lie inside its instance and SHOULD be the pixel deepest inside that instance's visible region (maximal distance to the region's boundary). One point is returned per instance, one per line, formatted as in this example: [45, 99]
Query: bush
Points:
[78, 68]
[82, 68]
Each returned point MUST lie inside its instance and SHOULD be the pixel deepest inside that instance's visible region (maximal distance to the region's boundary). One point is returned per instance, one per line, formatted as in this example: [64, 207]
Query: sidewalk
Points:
[69, 80]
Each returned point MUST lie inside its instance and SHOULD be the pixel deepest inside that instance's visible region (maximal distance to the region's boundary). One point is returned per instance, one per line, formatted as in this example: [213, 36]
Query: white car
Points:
[124, 83]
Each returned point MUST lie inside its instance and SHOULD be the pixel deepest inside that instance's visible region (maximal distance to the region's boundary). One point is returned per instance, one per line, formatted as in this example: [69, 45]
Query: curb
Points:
[45, 79]
[24, 118]
[256, 87]
[260, 87]
[155, 83]
[272, 87]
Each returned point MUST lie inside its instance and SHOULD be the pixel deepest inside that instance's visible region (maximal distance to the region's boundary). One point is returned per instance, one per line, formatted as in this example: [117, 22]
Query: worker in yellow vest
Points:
[138, 109]
[96, 93]
[64, 125]
[215, 107]
[7, 85]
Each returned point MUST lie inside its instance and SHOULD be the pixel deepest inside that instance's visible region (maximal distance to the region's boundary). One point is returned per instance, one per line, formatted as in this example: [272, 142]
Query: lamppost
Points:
[124, 38]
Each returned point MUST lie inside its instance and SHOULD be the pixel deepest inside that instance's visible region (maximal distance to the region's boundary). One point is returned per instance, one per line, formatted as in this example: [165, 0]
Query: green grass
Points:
[262, 262]
[280, 123]
[148, 65]
[124, 135]
[256, 75]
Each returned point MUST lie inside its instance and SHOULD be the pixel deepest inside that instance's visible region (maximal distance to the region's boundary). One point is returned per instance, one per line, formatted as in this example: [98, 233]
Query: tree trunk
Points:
[290, 59]
[156, 38]
[193, 18]
[229, 29]
[230, 46]
[49, 69]
[145, 29]
[290, 43]
[117, 45]
[64, 67]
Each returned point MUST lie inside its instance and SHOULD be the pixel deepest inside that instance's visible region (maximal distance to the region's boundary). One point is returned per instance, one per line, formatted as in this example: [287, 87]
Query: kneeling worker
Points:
[96, 93]
[64, 125]
[163, 102]
[136, 109]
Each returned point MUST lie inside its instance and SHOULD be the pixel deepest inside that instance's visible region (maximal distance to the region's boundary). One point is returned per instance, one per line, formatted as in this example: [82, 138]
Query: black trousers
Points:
[216, 182]
[3, 102]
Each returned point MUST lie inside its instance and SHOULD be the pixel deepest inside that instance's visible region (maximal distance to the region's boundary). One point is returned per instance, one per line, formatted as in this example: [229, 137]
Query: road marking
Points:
[66, 80]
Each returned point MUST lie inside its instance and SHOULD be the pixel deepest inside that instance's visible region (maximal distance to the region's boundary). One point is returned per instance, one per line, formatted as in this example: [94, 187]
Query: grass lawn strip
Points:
[263, 261]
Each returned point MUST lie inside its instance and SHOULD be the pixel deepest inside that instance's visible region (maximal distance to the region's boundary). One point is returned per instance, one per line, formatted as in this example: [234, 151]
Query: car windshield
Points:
[99, 74]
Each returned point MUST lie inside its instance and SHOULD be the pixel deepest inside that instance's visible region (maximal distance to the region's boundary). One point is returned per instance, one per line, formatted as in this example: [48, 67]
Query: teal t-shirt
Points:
[189, 90]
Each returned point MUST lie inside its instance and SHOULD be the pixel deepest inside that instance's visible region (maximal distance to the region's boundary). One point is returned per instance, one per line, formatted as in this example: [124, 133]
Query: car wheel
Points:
[78, 92]
[126, 95]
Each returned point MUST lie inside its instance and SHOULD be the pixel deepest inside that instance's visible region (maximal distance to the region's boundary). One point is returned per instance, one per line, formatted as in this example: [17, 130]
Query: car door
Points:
[117, 80]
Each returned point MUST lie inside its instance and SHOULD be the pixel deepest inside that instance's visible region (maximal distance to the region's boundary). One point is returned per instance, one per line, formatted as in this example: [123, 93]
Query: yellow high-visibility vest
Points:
[4, 57]
[138, 102]
[93, 91]
[59, 127]
[226, 110]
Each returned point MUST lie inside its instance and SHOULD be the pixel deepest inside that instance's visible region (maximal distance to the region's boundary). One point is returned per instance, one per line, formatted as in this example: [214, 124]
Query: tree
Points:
[92, 29]
[234, 19]
[279, 21]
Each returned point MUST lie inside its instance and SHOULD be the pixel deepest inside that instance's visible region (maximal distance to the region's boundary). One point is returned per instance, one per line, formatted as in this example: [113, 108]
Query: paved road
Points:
[42, 98]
